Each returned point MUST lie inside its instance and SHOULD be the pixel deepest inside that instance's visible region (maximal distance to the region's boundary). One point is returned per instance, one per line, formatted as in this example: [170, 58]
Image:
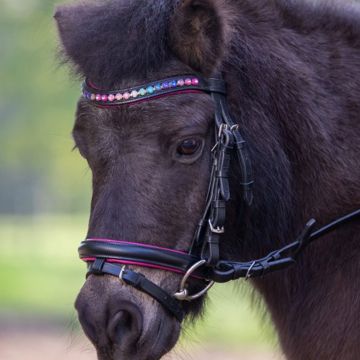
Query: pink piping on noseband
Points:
[138, 263]
[136, 243]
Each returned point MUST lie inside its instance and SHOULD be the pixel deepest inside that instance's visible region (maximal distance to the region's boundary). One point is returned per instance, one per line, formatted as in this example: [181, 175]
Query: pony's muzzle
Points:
[122, 321]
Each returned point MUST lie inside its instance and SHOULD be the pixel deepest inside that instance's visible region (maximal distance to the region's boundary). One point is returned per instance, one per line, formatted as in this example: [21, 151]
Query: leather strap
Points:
[206, 241]
[224, 270]
[140, 282]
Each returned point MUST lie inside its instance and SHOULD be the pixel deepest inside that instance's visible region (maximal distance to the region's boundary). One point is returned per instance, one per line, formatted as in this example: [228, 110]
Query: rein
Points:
[202, 261]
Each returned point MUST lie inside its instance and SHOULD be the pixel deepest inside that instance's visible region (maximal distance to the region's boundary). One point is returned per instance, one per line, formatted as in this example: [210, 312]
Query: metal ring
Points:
[248, 274]
[182, 294]
[234, 127]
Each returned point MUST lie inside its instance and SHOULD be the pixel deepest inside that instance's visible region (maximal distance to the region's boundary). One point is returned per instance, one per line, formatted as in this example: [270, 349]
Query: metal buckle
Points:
[182, 294]
[217, 230]
[248, 273]
[222, 127]
[121, 274]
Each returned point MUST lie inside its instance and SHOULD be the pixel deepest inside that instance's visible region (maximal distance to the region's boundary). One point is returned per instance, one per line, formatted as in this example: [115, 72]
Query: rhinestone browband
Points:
[166, 86]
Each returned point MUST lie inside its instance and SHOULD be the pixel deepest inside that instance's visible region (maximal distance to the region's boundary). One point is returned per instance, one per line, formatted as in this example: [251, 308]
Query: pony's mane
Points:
[111, 39]
[323, 15]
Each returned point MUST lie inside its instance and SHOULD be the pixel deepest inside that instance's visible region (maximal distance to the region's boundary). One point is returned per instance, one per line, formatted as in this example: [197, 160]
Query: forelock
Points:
[107, 40]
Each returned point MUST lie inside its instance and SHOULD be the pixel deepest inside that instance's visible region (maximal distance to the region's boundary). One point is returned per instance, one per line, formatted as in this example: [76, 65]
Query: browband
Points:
[176, 84]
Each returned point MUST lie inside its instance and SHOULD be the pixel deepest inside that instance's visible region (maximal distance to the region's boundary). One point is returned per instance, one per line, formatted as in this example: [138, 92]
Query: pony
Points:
[292, 71]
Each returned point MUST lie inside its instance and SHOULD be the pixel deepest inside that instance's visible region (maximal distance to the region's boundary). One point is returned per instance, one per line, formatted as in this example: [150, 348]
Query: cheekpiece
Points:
[177, 84]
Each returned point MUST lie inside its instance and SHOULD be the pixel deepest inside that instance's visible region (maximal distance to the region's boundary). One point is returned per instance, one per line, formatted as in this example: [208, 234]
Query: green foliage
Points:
[37, 106]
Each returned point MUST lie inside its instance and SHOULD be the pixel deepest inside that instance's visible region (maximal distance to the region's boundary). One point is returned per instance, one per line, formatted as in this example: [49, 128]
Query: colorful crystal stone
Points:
[195, 81]
[175, 83]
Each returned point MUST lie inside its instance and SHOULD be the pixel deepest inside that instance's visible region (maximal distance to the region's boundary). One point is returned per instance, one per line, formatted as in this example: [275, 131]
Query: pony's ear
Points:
[200, 33]
[74, 33]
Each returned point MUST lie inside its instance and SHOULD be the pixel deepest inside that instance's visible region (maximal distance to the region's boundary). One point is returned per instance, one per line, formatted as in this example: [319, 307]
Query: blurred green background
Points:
[45, 191]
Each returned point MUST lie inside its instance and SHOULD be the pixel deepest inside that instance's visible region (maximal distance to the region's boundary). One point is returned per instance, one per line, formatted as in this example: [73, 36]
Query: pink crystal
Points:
[188, 82]
[104, 98]
[111, 97]
[181, 82]
[98, 97]
[118, 97]
[126, 96]
[195, 81]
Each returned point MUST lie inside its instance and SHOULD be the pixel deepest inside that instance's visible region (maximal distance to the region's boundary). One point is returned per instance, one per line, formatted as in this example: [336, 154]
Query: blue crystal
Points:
[150, 89]
[158, 87]
[173, 83]
[165, 85]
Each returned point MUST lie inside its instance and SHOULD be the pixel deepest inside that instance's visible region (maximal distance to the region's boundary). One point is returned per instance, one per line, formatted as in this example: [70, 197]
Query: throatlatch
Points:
[203, 260]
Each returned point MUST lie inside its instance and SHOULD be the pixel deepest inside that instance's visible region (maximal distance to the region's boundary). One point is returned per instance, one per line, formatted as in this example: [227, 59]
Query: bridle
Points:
[202, 260]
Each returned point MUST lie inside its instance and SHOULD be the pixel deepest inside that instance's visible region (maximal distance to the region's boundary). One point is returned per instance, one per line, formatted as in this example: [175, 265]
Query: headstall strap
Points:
[203, 260]
[227, 139]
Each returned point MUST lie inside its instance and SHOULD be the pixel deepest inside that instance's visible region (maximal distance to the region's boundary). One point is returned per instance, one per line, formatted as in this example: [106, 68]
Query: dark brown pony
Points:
[293, 76]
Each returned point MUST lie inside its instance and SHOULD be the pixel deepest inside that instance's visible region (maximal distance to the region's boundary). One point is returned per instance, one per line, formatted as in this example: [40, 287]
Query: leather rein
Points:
[202, 260]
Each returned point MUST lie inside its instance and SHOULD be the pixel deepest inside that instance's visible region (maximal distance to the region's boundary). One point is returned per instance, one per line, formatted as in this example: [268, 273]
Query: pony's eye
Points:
[188, 147]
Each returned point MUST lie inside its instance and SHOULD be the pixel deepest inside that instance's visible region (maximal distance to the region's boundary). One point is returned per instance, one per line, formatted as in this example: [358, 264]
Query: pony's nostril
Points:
[125, 326]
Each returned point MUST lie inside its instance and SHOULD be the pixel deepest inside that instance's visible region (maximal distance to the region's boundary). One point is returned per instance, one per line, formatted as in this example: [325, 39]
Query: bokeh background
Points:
[44, 200]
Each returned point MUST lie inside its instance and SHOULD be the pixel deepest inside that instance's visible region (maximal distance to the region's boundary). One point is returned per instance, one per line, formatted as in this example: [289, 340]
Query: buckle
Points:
[248, 273]
[217, 230]
[121, 274]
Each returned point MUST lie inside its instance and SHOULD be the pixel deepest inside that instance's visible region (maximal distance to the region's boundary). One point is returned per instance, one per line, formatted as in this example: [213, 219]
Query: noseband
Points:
[202, 260]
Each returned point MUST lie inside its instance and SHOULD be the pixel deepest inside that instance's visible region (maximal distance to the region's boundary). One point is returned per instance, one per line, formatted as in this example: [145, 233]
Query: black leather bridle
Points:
[202, 260]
